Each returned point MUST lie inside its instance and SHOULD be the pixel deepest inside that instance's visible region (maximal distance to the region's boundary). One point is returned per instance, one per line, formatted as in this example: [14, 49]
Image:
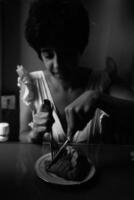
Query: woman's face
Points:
[60, 63]
[50, 60]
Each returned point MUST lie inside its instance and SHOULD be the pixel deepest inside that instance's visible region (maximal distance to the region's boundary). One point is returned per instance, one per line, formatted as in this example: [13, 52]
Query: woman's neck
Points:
[60, 85]
[62, 95]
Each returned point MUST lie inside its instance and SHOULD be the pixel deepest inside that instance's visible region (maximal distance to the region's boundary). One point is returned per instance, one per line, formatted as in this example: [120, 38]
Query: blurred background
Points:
[112, 34]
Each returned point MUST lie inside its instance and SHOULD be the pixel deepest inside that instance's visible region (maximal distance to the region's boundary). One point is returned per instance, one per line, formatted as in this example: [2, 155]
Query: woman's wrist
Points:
[35, 137]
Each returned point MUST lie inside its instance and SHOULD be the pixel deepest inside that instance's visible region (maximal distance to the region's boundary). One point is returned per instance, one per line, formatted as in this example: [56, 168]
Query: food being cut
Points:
[71, 165]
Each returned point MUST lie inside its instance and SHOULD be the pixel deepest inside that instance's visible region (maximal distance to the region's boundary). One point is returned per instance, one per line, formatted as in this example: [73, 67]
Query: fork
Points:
[54, 146]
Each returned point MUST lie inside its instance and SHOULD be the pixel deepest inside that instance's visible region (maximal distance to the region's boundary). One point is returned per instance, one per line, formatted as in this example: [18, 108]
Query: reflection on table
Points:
[114, 178]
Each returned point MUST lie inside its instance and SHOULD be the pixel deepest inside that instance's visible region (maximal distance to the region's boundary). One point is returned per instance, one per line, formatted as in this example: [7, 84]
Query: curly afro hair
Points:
[57, 23]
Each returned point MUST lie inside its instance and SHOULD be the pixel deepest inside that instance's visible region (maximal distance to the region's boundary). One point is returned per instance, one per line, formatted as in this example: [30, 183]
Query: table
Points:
[18, 180]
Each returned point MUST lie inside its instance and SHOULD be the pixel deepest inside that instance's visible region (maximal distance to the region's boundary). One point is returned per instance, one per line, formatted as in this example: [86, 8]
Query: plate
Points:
[54, 179]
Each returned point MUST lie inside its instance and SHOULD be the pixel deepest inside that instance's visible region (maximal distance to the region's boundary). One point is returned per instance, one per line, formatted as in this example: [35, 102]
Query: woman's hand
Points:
[41, 126]
[81, 111]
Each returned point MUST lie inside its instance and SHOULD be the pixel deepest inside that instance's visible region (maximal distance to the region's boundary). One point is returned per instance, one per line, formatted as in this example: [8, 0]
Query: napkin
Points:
[25, 80]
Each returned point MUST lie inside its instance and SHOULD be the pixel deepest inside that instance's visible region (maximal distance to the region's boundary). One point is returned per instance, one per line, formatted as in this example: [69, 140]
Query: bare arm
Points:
[119, 105]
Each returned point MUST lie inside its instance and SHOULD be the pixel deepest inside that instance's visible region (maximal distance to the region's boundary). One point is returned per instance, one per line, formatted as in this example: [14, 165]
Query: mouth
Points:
[62, 73]
[57, 74]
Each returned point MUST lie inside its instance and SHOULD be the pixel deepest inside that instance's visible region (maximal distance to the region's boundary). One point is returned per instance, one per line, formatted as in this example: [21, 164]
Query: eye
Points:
[48, 53]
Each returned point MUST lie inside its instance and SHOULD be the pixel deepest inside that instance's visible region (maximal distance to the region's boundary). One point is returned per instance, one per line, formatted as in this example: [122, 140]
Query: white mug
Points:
[4, 131]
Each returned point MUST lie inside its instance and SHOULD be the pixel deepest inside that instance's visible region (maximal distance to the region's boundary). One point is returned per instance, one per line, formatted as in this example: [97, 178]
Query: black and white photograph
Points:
[67, 99]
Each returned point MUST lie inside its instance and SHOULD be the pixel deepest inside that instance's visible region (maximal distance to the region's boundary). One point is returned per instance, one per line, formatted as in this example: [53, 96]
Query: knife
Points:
[60, 151]
[47, 107]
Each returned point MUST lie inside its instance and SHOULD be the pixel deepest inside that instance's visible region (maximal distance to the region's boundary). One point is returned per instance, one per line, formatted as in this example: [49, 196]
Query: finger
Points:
[44, 122]
[42, 115]
[41, 118]
[39, 122]
[39, 129]
[47, 136]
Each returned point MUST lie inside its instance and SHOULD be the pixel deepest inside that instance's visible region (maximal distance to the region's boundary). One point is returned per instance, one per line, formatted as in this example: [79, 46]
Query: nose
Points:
[55, 63]
[51, 62]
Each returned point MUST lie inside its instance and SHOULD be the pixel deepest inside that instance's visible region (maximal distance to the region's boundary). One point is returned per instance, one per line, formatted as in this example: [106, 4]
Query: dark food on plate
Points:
[72, 165]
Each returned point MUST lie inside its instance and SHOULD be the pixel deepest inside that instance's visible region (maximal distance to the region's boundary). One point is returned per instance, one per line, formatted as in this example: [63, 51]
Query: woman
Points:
[58, 31]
